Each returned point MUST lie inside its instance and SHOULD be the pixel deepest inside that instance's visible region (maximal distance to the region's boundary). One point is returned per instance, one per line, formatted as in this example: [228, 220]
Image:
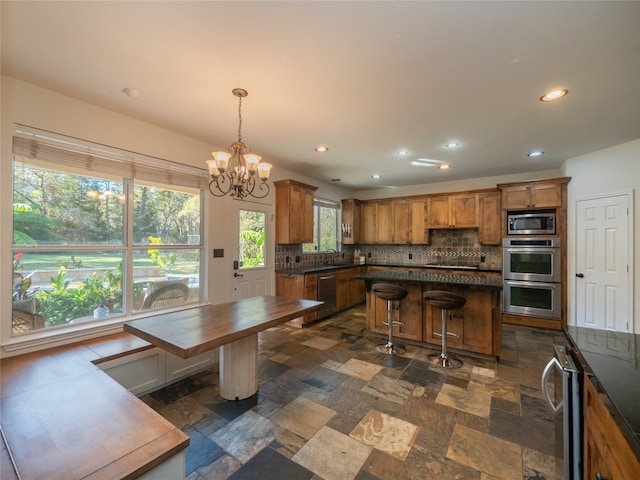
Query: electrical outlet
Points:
[411, 256]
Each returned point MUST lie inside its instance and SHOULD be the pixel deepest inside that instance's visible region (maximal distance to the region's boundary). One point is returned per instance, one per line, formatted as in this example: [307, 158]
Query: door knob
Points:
[236, 274]
[580, 275]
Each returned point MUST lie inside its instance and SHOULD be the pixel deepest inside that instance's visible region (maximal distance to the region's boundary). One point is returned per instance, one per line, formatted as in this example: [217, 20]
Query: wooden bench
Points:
[64, 418]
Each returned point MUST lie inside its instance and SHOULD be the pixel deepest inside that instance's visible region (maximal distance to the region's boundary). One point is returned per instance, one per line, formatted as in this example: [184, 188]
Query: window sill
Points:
[55, 337]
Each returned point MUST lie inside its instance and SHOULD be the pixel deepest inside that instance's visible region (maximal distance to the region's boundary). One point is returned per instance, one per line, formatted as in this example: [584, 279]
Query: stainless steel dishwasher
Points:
[327, 294]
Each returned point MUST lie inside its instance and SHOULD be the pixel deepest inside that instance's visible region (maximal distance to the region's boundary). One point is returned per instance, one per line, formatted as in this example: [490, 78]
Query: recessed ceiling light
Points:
[553, 95]
[403, 153]
[322, 149]
[535, 153]
[335, 179]
[425, 162]
[444, 166]
[452, 145]
[376, 176]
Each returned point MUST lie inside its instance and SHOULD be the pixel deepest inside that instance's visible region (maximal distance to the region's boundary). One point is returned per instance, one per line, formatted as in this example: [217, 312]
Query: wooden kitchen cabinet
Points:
[607, 453]
[350, 290]
[368, 223]
[294, 212]
[351, 218]
[408, 311]
[384, 222]
[401, 221]
[376, 221]
[419, 234]
[409, 221]
[490, 225]
[298, 286]
[542, 194]
[452, 211]
[476, 324]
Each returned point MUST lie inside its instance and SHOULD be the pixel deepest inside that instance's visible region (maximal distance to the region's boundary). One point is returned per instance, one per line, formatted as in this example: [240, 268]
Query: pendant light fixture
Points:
[234, 171]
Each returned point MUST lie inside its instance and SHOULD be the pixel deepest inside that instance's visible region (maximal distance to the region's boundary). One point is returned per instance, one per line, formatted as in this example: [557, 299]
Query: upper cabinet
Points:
[294, 211]
[542, 194]
[350, 221]
[453, 211]
[376, 221]
[490, 227]
[394, 221]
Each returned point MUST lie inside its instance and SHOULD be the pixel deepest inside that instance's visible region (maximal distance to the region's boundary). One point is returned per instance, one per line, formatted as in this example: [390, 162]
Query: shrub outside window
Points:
[91, 245]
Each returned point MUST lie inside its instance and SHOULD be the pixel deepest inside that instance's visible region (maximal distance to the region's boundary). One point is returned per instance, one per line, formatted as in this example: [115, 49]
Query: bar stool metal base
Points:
[391, 293]
[445, 361]
[391, 349]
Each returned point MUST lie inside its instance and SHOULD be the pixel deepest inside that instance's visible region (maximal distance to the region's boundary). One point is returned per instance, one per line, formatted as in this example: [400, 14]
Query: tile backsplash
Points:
[448, 246]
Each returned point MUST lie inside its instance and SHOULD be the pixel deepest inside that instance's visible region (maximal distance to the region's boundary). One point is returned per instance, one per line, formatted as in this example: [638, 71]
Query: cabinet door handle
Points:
[600, 477]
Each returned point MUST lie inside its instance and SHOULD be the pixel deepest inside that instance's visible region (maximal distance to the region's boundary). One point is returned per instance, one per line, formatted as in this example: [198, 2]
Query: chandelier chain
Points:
[240, 119]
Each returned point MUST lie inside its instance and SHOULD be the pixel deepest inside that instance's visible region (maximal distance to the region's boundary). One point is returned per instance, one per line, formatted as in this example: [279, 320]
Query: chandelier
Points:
[234, 171]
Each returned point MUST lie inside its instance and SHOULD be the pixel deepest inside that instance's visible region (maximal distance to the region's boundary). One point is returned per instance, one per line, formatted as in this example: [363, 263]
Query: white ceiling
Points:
[365, 78]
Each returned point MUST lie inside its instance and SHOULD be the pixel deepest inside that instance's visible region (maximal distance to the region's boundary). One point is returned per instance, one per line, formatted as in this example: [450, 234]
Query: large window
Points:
[326, 219]
[113, 239]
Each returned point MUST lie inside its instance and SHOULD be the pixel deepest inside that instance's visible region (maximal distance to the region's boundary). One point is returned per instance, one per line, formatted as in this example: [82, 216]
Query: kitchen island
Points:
[477, 324]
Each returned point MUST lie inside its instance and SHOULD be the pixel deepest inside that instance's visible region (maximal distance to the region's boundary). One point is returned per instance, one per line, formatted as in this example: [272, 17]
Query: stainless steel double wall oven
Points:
[532, 274]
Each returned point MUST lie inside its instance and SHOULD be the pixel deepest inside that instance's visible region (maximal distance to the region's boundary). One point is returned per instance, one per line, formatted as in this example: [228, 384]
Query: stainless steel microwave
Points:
[531, 223]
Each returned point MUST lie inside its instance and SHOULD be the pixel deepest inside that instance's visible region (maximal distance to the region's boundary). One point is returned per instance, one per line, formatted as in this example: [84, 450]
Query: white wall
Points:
[610, 171]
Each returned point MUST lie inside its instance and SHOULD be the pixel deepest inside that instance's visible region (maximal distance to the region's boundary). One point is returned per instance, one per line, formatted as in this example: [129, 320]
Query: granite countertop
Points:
[339, 266]
[480, 282]
[612, 359]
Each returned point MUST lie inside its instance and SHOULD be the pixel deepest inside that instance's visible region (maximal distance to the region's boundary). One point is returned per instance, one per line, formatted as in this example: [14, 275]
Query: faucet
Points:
[326, 254]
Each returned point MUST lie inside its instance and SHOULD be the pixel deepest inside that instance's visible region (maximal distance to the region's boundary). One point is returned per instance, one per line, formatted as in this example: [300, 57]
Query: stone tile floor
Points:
[331, 407]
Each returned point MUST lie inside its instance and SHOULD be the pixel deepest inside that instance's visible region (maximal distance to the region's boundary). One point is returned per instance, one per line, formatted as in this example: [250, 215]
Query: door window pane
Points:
[251, 241]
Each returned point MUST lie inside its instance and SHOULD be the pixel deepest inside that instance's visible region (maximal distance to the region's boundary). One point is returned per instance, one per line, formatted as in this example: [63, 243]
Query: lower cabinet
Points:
[607, 453]
[350, 290]
[476, 325]
[151, 369]
[298, 285]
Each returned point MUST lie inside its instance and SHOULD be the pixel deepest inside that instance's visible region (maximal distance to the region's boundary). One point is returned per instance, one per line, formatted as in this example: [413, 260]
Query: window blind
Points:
[99, 159]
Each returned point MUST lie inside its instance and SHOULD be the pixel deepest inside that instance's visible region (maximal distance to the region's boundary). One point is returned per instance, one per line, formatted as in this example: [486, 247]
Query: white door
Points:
[603, 263]
[251, 272]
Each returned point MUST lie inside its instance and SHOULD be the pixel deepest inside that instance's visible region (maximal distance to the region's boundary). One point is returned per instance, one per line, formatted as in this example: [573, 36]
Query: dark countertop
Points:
[612, 360]
[323, 268]
[479, 282]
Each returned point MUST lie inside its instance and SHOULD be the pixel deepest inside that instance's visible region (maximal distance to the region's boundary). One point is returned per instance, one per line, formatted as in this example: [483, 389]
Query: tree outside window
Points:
[73, 259]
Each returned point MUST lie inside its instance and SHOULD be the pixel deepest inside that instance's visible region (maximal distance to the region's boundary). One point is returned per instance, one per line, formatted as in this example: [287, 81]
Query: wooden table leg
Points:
[239, 368]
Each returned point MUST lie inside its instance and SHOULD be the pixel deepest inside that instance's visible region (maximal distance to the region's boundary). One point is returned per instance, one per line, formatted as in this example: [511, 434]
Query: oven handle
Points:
[545, 383]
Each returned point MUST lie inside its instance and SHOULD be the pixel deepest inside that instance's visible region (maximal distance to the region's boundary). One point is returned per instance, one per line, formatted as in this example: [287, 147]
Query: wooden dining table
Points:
[232, 326]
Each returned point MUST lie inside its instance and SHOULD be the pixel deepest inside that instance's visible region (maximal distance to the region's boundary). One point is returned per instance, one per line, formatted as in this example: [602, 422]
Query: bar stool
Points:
[445, 301]
[391, 293]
